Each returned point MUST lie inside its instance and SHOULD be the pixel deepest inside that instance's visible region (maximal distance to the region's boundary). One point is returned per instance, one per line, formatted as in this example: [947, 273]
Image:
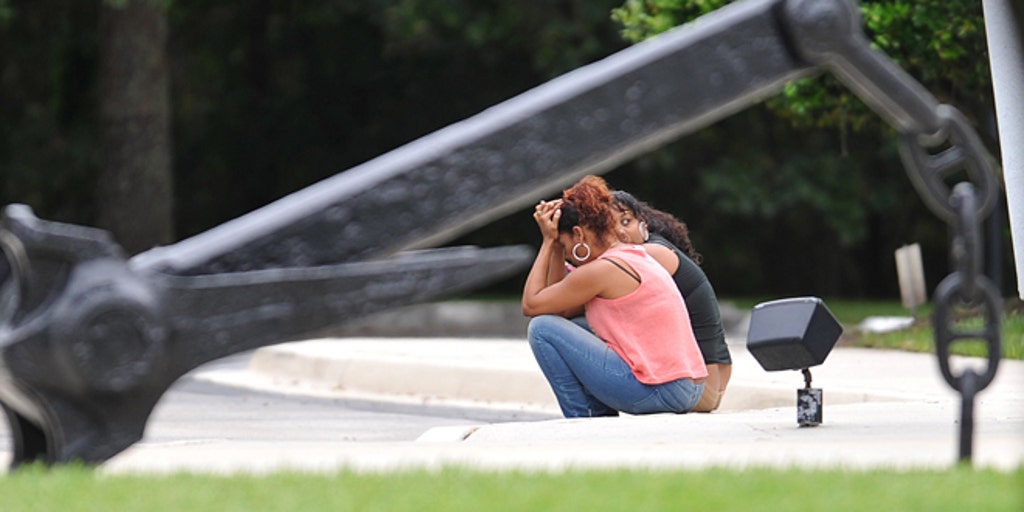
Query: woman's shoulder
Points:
[630, 252]
[658, 240]
[665, 257]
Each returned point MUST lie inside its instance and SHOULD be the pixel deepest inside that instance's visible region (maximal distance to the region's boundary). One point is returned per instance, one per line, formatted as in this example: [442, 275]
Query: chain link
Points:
[966, 293]
[967, 288]
[928, 172]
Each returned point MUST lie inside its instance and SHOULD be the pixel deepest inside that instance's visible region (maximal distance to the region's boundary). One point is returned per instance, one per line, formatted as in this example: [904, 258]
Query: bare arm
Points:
[565, 298]
[663, 255]
[556, 267]
[548, 290]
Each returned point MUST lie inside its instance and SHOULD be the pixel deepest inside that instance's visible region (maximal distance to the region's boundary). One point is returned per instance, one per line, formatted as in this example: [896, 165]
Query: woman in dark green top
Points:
[667, 239]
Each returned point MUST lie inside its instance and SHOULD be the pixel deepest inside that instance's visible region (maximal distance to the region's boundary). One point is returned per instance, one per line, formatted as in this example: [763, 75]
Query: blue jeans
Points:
[590, 379]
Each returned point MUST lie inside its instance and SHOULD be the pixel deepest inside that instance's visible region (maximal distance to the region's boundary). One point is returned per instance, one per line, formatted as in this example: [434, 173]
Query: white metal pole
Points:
[1006, 58]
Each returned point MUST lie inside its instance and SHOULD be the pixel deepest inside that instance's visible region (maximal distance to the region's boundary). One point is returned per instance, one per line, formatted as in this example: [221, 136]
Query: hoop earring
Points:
[643, 231]
[576, 247]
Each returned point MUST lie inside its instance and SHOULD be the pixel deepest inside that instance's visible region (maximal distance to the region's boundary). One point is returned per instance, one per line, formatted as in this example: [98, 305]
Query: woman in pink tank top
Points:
[641, 356]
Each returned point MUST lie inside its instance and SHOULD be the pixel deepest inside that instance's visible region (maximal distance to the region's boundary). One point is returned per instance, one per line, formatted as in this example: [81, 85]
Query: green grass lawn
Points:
[849, 312]
[921, 338]
[956, 489]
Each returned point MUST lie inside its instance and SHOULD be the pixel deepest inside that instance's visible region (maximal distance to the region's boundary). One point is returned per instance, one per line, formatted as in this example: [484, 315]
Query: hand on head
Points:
[546, 214]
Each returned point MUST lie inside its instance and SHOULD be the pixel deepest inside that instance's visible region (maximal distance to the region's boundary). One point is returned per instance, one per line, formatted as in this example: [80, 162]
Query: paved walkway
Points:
[883, 409]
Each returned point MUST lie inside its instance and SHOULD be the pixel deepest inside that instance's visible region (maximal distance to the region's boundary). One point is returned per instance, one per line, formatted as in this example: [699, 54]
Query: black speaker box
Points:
[792, 334]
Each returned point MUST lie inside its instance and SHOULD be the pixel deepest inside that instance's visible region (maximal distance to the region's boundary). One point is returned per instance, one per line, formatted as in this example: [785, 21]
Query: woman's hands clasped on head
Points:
[546, 214]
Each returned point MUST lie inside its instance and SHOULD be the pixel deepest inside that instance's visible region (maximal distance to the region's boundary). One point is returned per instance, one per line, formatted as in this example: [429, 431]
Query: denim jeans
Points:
[590, 379]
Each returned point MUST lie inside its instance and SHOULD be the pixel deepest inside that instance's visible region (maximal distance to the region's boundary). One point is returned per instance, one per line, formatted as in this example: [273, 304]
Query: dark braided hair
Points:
[659, 222]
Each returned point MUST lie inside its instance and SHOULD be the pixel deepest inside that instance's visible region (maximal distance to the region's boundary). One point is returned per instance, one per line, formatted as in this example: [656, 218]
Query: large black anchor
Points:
[90, 340]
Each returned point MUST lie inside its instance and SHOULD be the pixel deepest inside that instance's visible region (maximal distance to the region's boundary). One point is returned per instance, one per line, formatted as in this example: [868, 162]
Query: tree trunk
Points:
[134, 195]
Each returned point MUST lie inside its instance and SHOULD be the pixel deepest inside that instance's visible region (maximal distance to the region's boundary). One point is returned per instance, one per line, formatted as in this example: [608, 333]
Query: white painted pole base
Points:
[1006, 53]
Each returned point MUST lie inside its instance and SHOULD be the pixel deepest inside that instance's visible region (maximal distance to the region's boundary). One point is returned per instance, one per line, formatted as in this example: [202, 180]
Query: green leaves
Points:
[815, 167]
[939, 42]
[642, 19]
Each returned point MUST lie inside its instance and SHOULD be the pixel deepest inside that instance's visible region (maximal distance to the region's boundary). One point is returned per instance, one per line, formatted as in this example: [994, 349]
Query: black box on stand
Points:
[792, 334]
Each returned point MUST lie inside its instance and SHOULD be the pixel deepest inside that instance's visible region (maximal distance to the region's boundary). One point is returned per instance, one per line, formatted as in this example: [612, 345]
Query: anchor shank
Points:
[462, 176]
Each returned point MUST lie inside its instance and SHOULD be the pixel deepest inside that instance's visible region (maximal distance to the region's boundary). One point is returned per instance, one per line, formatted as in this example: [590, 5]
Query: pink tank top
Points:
[649, 328]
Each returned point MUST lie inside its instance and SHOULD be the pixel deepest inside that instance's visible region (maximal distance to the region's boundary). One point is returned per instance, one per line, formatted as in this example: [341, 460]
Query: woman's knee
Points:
[541, 328]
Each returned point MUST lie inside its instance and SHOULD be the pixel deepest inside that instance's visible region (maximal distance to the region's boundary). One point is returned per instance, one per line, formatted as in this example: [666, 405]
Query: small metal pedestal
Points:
[795, 334]
[808, 403]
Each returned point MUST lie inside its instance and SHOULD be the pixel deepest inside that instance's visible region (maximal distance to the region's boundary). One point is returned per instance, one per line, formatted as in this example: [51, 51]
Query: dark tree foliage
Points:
[272, 96]
[48, 139]
[269, 96]
[814, 171]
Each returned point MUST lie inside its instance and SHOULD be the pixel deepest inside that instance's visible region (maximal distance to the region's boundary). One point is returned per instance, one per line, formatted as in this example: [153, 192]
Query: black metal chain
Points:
[966, 292]
[828, 33]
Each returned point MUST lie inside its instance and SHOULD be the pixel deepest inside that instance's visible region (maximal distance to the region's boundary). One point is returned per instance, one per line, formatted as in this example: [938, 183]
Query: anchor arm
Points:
[241, 311]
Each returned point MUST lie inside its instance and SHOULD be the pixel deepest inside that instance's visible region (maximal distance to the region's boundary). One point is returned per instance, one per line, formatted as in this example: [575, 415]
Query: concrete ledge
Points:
[493, 373]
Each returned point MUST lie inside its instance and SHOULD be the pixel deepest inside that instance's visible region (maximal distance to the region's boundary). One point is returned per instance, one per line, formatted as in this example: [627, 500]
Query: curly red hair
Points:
[588, 204]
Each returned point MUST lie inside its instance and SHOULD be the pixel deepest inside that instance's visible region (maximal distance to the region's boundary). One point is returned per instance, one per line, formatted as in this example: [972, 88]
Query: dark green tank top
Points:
[701, 303]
